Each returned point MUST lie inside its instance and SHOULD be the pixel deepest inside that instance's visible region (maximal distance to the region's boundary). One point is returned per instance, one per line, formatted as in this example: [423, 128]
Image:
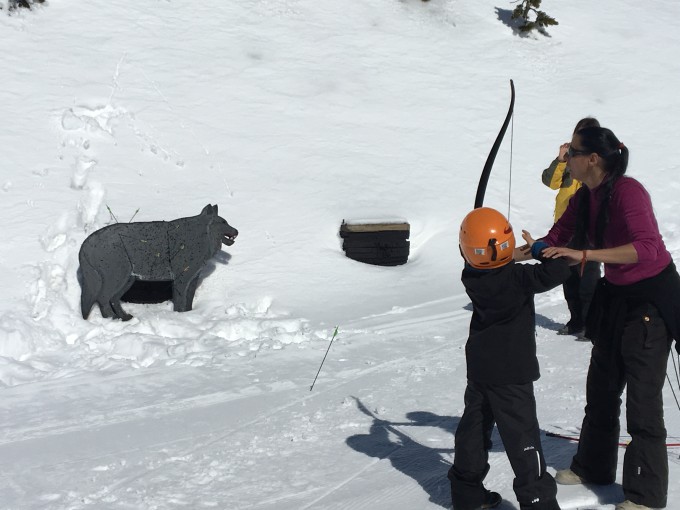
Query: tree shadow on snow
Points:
[505, 17]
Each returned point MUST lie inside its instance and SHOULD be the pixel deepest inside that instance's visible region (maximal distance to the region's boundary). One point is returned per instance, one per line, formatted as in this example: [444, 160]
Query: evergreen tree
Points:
[528, 9]
[15, 4]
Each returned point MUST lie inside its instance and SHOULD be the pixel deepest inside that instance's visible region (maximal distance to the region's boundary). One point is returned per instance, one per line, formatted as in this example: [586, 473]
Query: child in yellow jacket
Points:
[579, 288]
[557, 176]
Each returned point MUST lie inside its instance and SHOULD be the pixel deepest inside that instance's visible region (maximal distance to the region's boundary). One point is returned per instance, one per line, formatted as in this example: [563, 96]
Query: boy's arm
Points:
[552, 176]
[537, 278]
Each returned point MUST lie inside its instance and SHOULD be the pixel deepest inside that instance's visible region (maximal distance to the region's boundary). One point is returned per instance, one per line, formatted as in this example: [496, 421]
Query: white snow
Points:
[293, 115]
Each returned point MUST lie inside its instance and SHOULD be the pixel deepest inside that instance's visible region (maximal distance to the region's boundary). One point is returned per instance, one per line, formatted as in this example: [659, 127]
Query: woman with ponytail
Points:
[634, 315]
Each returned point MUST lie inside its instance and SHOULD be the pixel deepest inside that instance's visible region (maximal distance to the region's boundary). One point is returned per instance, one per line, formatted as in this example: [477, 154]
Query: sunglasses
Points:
[575, 152]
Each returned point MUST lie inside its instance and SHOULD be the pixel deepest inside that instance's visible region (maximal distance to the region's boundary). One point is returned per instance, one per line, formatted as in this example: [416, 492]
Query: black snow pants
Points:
[579, 290]
[513, 408]
[639, 362]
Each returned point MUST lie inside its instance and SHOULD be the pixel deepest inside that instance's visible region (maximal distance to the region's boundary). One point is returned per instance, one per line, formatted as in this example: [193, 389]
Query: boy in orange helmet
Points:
[501, 364]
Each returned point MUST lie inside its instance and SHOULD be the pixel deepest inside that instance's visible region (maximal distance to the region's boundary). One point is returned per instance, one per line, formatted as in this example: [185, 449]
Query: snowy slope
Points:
[291, 115]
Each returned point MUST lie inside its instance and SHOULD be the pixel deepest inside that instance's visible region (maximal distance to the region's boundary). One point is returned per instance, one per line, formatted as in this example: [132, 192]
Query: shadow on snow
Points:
[429, 468]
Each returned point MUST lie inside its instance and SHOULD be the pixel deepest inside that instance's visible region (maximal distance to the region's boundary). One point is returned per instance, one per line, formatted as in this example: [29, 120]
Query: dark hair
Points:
[605, 144]
[614, 155]
[586, 122]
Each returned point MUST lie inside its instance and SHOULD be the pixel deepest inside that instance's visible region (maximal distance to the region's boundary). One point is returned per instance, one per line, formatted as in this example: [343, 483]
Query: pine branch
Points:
[529, 8]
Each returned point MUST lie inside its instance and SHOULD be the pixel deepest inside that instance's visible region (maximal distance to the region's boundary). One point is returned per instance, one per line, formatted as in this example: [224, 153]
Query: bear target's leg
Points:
[119, 312]
[115, 300]
[106, 310]
[116, 274]
[179, 296]
[90, 282]
[181, 290]
[191, 291]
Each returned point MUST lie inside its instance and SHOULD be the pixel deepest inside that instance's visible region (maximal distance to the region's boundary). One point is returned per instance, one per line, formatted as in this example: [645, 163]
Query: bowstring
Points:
[677, 379]
[512, 139]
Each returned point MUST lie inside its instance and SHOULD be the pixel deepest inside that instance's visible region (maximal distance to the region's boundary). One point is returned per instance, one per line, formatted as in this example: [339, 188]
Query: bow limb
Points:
[486, 171]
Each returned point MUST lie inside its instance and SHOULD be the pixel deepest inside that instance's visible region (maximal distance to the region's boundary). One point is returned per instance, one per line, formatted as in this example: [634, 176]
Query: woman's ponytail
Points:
[614, 155]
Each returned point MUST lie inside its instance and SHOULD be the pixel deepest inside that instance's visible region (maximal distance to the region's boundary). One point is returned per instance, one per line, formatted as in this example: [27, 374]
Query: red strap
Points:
[583, 261]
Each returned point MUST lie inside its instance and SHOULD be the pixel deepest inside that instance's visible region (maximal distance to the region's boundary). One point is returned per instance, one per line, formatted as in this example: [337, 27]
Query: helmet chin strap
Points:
[494, 252]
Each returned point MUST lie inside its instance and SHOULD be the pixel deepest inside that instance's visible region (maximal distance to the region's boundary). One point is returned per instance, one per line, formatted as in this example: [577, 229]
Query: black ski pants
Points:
[579, 290]
[638, 360]
[513, 408]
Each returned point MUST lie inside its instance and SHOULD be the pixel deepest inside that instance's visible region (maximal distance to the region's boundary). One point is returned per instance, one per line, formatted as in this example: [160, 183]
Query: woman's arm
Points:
[624, 254]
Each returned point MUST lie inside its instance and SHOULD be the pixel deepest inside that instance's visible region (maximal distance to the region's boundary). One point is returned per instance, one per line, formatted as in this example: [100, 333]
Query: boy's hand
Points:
[524, 252]
[562, 154]
[530, 240]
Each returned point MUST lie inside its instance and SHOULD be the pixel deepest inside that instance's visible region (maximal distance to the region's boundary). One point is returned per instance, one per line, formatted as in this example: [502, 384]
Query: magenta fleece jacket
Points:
[631, 220]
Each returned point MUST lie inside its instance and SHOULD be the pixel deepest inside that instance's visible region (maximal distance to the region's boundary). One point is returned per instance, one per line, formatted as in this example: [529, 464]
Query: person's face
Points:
[577, 159]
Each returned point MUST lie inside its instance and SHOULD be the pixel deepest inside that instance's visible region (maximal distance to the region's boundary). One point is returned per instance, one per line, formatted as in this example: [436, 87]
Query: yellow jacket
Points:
[557, 176]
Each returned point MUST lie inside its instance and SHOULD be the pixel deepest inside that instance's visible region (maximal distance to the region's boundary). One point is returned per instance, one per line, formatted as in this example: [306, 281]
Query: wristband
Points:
[584, 259]
[537, 248]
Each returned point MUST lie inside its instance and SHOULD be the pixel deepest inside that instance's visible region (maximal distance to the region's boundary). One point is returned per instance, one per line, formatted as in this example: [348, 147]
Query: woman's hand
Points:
[572, 256]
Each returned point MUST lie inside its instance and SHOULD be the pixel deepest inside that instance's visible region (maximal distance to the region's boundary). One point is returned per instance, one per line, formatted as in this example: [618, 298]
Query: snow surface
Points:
[292, 115]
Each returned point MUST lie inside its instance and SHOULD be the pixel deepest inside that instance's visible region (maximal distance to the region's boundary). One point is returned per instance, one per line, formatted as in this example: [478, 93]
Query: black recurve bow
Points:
[486, 171]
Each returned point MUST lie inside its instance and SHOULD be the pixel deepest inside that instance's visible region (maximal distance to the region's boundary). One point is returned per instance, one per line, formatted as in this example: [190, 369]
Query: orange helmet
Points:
[486, 239]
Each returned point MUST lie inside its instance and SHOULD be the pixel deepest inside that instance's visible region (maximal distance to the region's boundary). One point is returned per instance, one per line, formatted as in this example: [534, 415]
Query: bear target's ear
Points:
[207, 209]
[215, 209]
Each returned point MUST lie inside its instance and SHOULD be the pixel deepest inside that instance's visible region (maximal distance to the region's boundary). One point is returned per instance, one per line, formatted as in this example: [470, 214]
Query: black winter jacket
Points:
[612, 302]
[501, 348]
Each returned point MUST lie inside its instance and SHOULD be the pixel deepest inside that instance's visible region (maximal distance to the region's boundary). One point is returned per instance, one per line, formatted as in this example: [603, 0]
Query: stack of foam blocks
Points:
[381, 244]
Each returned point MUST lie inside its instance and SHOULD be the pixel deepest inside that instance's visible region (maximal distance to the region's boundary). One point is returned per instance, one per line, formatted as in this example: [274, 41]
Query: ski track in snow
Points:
[199, 444]
[142, 473]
